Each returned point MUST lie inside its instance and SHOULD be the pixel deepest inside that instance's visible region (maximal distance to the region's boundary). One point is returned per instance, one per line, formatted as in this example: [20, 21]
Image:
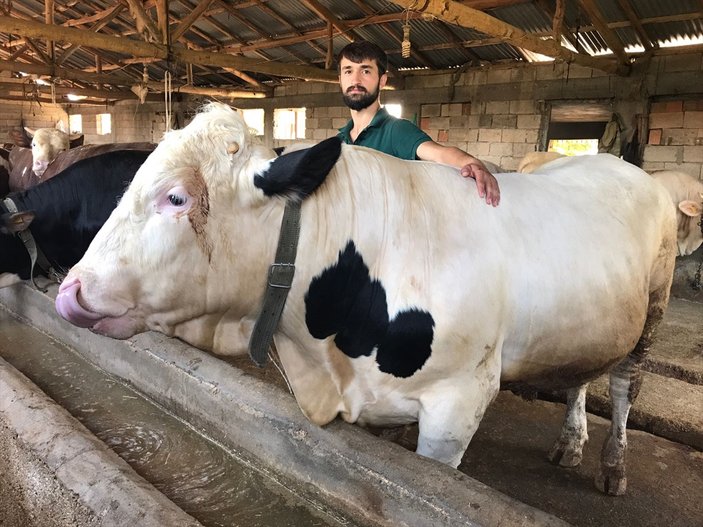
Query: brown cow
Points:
[22, 177]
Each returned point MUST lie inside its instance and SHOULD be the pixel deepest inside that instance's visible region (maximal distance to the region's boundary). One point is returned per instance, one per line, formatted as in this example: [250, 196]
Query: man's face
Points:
[360, 83]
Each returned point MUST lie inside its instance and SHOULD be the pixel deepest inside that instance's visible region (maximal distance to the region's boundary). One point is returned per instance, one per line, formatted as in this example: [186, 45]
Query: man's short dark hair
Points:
[363, 50]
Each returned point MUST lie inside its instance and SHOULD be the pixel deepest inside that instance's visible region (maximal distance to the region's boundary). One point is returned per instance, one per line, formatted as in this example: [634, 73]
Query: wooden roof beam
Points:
[629, 12]
[64, 73]
[614, 43]
[328, 16]
[162, 21]
[273, 14]
[49, 20]
[460, 15]
[316, 33]
[95, 28]
[565, 31]
[145, 25]
[137, 48]
[190, 19]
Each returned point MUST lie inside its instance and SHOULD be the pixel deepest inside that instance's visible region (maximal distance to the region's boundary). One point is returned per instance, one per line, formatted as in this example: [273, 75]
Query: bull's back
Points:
[558, 276]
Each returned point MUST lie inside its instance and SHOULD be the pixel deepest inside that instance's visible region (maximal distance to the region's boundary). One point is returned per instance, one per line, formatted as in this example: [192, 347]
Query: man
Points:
[362, 75]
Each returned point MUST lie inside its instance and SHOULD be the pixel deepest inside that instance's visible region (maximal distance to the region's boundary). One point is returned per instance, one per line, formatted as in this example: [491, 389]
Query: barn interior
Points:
[496, 78]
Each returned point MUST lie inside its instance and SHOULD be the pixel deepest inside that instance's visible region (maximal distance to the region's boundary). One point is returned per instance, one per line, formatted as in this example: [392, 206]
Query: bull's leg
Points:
[449, 418]
[625, 382]
[568, 449]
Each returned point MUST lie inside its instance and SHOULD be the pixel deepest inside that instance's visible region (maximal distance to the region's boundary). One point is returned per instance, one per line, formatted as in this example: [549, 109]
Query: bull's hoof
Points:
[565, 455]
[612, 481]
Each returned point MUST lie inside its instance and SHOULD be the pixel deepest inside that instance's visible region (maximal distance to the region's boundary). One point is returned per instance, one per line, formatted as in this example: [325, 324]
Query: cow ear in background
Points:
[16, 222]
[690, 208]
[301, 172]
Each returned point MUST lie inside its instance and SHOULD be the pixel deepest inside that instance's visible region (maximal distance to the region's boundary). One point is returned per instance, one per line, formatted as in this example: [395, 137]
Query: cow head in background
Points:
[47, 143]
[687, 196]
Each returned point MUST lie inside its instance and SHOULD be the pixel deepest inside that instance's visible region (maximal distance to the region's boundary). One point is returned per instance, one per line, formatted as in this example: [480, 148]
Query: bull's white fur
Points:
[560, 274]
[533, 160]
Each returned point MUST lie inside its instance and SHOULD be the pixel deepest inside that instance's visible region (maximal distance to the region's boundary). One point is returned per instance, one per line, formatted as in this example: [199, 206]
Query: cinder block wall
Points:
[675, 139]
[501, 112]
[32, 114]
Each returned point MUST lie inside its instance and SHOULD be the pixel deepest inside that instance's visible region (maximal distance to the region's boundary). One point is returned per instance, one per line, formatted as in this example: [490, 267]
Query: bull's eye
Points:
[176, 200]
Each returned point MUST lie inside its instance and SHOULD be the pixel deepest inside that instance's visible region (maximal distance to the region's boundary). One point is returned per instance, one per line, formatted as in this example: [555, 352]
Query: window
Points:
[573, 147]
[396, 110]
[103, 122]
[576, 126]
[255, 120]
[289, 123]
[75, 124]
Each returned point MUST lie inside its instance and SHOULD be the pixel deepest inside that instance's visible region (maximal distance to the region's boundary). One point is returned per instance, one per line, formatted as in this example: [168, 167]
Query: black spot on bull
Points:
[345, 301]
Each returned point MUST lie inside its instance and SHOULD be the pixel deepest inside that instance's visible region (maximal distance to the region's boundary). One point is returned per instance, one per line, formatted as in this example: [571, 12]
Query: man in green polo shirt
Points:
[362, 75]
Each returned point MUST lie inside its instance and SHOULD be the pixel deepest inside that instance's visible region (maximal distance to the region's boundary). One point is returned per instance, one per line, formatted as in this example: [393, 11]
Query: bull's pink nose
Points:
[68, 307]
[39, 167]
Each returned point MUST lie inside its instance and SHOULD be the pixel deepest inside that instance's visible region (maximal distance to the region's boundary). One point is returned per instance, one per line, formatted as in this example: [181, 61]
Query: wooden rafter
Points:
[145, 49]
[614, 43]
[491, 4]
[639, 29]
[460, 15]
[95, 28]
[162, 20]
[328, 16]
[425, 61]
[190, 19]
[49, 20]
[565, 32]
[280, 18]
[145, 24]
[38, 52]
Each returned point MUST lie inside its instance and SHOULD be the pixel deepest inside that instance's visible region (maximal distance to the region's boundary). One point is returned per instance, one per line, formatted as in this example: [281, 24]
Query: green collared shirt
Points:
[397, 137]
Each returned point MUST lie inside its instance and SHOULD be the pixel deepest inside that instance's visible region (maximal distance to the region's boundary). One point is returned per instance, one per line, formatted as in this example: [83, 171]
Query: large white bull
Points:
[412, 300]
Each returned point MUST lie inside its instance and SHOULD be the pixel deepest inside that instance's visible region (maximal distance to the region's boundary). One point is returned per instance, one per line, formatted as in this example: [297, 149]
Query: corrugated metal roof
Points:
[292, 32]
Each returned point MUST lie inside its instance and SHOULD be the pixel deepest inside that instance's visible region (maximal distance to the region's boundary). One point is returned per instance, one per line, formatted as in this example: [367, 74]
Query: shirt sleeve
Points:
[406, 137]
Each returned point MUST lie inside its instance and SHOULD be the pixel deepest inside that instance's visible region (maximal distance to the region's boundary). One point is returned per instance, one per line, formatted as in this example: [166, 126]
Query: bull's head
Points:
[690, 232]
[167, 258]
[47, 143]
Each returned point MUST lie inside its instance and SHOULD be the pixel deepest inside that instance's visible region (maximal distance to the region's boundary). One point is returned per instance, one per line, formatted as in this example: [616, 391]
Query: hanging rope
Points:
[167, 99]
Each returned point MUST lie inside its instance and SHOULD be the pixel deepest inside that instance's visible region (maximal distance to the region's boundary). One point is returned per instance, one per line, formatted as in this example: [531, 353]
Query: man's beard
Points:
[360, 101]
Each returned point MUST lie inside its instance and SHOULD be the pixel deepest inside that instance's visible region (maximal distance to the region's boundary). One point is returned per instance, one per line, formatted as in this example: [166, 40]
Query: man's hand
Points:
[485, 182]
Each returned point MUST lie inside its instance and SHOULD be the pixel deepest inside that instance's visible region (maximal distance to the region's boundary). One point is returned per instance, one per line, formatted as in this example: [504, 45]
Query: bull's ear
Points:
[301, 172]
[690, 207]
[16, 222]
[30, 131]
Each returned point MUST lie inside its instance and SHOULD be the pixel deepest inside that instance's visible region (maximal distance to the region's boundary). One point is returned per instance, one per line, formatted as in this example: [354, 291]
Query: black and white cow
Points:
[412, 300]
[64, 213]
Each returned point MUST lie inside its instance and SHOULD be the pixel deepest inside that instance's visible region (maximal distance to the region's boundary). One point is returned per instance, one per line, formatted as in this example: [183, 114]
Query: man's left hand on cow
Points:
[486, 182]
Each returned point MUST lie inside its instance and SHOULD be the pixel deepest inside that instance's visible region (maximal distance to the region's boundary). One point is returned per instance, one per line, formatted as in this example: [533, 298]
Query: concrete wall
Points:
[31, 114]
[501, 112]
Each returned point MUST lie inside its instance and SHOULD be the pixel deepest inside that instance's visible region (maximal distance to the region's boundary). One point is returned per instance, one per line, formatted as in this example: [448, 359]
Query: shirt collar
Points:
[380, 117]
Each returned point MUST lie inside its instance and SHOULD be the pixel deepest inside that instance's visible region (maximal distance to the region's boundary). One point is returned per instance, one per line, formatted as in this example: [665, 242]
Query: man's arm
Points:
[468, 164]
